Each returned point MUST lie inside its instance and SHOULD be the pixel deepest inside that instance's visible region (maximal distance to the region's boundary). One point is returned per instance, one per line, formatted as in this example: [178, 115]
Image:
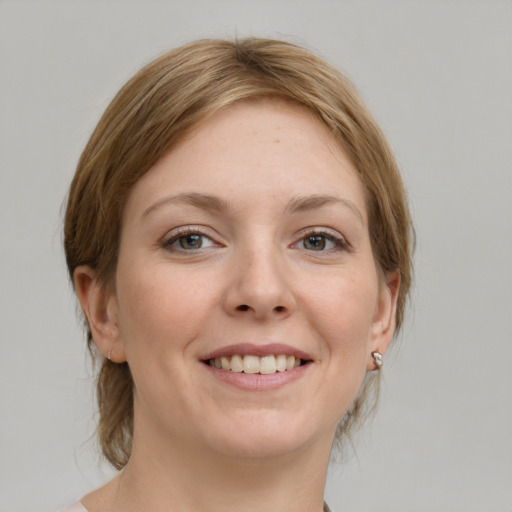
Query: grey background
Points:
[438, 77]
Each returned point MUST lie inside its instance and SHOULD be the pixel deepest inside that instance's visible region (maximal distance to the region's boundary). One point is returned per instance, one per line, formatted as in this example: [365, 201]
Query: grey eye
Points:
[188, 242]
[315, 242]
[192, 241]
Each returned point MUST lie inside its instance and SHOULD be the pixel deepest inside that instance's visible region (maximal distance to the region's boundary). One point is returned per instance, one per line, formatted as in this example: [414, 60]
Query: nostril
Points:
[245, 307]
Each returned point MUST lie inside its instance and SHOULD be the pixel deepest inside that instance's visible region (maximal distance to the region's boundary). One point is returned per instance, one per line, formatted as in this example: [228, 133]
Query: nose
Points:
[259, 286]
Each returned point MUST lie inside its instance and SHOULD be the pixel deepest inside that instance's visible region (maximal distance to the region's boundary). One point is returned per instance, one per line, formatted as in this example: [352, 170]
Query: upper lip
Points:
[267, 349]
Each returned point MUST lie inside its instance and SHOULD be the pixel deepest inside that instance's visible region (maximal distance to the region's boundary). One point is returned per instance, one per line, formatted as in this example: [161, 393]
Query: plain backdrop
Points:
[438, 77]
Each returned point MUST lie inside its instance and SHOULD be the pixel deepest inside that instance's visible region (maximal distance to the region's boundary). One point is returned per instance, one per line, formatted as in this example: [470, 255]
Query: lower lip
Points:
[257, 381]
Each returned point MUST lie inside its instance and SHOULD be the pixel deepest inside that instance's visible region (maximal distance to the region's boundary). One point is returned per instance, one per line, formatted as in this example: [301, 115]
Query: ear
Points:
[100, 308]
[383, 324]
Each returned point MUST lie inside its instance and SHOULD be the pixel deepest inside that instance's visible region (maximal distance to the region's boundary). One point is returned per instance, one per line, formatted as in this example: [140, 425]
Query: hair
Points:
[163, 102]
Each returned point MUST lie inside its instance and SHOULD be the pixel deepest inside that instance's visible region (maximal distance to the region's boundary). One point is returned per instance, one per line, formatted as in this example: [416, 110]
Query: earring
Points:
[377, 357]
[109, 354]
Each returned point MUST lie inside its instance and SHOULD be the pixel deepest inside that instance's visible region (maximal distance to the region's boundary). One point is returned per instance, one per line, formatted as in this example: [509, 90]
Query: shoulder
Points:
[74, 507]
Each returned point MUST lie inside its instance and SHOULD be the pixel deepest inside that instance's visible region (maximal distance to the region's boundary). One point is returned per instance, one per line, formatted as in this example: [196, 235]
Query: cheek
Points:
[159, 308]
[342, 311]
[342, 318]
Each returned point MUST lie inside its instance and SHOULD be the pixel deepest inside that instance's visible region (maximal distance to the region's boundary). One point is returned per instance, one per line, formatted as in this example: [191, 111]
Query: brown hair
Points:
[161, 103]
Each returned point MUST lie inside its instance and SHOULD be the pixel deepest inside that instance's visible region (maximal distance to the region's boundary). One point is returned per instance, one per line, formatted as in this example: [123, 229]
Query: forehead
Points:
[251, 152]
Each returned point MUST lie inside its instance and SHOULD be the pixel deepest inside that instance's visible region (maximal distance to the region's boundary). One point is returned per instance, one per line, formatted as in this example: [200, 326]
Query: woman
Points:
[238, 237]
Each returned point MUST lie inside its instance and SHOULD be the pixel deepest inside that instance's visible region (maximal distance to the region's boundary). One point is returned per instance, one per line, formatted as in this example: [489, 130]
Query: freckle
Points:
[277, 141]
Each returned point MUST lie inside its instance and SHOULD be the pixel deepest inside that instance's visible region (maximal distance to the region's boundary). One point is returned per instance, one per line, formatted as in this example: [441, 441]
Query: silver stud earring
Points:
[377, 357]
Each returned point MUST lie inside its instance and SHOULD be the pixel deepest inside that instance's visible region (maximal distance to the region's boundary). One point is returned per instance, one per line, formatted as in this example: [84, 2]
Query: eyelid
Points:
[176, 233]
[329, 233]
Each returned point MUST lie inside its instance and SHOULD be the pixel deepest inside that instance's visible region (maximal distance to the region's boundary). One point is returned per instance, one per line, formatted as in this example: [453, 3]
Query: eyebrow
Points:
[212, 203]
[308, 203]
[202, 201]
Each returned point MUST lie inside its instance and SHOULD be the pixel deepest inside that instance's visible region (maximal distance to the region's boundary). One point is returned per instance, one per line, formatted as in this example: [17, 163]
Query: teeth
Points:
[237, 364]
[281, 363]
[266, 365]
[251, 364]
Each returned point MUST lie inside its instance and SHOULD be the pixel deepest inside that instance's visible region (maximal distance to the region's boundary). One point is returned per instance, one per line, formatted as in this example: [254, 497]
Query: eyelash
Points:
[340, 244]
[183, 233]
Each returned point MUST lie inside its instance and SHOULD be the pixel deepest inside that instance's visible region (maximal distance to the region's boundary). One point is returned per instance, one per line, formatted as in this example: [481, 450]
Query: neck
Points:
[187, 479]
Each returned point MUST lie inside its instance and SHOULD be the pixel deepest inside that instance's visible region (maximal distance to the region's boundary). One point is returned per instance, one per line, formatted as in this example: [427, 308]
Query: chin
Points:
[260, 438]
[258, 449]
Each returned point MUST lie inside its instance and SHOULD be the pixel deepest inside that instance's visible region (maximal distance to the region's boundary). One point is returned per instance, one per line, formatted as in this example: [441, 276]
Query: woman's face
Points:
[248, 243]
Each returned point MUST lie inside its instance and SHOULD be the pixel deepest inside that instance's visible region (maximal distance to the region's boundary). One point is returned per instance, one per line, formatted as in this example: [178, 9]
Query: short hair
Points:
[163, 102]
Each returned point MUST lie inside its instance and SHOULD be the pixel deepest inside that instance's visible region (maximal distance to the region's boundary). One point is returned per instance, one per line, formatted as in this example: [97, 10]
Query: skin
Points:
[258, 278]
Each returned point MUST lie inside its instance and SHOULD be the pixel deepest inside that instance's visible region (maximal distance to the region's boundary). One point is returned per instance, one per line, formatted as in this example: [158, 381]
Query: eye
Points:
[322, 242]
[316, 243]
[188, 240]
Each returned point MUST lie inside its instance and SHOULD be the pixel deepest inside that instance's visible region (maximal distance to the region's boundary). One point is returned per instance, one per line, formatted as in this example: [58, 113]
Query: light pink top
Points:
[74, 507]
[78, 507]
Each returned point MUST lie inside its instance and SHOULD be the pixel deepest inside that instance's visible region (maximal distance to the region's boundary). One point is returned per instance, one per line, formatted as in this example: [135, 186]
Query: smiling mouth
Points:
[266, 365]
